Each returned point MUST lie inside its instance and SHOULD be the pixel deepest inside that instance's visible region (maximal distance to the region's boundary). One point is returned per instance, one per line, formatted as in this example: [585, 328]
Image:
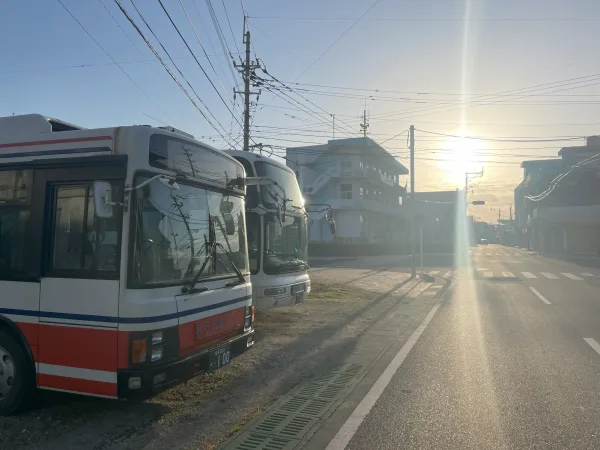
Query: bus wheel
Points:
[16, 377]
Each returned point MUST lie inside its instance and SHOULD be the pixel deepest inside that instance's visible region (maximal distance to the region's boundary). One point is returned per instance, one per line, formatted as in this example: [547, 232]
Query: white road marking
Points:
[550, 275]
[508, 274]
[571, 276]
[448, 274]
[528, 275]
[482, 269]
[434, 272]
[488, 254]
[488, 274]
[588, 274]
[540, 296]
[516, 254]
[592, 343]
[345, 434]
[429, 292]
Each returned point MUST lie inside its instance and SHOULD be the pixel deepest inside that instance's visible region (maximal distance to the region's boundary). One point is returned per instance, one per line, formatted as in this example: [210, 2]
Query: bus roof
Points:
[253, 157]
[33, 137]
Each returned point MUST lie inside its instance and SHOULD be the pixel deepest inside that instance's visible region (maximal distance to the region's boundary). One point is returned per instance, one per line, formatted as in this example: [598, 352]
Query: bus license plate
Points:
[219, 357]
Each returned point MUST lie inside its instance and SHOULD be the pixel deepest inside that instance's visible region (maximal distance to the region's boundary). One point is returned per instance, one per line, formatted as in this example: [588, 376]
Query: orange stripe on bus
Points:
[77, 385]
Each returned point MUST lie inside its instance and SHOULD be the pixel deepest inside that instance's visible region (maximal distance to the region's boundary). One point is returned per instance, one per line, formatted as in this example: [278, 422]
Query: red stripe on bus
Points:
[56, 141]
[77, 385]
[30, 331]
[208, 331]
[85, 348]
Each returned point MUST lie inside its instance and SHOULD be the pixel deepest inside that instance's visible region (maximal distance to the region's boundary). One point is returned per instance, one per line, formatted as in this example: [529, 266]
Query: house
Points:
[360, 181]
[567, 220]
[537, 176]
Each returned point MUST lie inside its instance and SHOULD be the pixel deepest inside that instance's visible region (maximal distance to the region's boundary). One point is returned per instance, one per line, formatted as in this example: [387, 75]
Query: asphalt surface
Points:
[502, 365]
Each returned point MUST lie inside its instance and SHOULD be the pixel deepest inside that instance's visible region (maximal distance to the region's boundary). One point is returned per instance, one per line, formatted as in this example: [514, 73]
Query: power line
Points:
[197, 62]
[230, 27]
[200, 42]
[115, 62]
[339, 38]
[517, 139]
[137, 28]
[431, 19]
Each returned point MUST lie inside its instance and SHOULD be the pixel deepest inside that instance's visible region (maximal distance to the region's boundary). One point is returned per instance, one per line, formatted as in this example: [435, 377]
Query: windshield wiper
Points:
[211, 246]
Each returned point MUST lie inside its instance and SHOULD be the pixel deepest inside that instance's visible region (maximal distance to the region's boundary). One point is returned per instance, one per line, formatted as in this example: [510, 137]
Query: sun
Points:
[460, 154]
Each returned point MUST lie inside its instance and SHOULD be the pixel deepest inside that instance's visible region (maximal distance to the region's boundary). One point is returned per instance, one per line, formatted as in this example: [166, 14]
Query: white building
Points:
[360, 180]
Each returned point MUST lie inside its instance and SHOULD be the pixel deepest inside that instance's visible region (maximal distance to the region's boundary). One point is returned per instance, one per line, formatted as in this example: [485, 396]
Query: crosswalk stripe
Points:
[488, 254]
[571, 276]
[550, 275]
[434, 272]
[528, 275]
[448, 274]
[488, 274]
[587, 274]
[508, 274]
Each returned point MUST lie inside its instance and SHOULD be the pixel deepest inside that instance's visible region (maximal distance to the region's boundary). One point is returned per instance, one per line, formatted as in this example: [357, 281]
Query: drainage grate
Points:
[308, 406]
[282, 427]
[255, 441]
[321, 391]
[284, 424]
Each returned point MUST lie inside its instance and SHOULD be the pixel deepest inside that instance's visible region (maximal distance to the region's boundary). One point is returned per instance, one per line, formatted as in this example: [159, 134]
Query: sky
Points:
[519, 78]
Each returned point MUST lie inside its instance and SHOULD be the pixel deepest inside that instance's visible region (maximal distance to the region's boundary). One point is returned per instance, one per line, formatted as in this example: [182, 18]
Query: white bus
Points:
[277, 241]
[123, 259]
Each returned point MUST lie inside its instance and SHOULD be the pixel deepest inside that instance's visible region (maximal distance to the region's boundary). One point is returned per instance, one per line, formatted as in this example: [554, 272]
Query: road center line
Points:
[592, 343]
[345, 434]
[539, 295]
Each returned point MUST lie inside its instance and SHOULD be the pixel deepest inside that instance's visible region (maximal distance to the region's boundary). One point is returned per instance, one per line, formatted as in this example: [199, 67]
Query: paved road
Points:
[507, 362]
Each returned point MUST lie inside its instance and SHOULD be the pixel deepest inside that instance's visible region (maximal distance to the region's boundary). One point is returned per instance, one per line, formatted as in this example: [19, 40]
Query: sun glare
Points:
[461, 155]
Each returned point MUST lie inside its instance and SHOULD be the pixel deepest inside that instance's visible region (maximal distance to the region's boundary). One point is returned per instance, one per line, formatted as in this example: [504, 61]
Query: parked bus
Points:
[123, 259]
[277, 232]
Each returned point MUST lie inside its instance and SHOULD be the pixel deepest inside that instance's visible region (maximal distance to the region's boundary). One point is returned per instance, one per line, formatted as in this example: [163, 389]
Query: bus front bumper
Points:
[142, 382]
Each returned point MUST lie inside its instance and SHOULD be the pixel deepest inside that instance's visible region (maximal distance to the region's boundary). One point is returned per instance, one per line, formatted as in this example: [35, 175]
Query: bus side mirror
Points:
[103, 204]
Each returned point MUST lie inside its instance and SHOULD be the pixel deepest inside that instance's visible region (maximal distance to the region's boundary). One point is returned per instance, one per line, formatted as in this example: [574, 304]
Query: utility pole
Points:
[247, 70]
[413, 203]
[333, 115]
[510, 212]
[468, 176]
[364, 125]
[499, 212]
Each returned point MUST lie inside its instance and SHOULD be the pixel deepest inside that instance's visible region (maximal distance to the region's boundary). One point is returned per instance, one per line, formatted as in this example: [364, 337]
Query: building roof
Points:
[541, 162]
[438, 196]
[361, 143]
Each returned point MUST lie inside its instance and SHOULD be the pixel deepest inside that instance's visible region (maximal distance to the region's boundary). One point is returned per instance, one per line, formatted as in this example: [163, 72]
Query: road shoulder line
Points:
[347, 431]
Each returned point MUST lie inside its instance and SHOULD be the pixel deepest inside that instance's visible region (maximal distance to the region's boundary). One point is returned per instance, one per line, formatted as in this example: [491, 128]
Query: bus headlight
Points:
[157, 337]
[157, 354]
[248, 317]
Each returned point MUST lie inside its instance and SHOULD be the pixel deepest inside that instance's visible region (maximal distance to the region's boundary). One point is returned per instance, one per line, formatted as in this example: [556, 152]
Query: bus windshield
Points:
[171, 230]
[285, 244]
[284, 178]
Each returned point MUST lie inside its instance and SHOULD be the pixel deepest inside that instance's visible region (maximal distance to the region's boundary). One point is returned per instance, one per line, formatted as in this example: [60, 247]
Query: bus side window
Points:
[82, 241]
[15, 191]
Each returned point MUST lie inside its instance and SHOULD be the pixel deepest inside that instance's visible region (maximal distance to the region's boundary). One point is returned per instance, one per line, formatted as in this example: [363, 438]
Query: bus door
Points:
[20, 242]
[79, 289]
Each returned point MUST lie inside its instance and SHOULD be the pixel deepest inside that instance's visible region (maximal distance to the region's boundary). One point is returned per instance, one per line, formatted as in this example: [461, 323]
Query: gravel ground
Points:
[292, 343]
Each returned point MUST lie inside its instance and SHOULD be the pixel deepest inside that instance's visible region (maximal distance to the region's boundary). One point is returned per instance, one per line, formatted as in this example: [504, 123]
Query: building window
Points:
[361, 192]
[346, 191]
[346, 168]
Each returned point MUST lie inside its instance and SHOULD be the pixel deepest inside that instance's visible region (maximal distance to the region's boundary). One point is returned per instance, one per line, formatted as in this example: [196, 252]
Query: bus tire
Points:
[17, 380]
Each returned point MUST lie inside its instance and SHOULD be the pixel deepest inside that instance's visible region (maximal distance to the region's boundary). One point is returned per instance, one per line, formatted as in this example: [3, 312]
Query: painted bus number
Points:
[219, 357]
